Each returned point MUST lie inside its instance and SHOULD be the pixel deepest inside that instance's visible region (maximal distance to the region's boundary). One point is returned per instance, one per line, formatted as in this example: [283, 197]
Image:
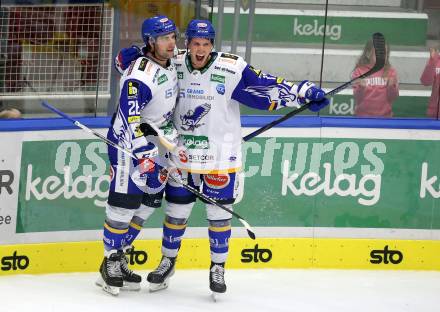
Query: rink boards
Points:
[316, 253]
[320, 193]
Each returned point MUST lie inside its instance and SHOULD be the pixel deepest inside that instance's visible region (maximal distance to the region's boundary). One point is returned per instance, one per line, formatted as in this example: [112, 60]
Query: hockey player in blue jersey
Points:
[207, 118]
[147, 97]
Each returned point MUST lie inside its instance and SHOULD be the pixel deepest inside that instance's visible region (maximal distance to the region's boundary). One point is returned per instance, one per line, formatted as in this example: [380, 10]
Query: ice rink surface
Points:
[248, 290]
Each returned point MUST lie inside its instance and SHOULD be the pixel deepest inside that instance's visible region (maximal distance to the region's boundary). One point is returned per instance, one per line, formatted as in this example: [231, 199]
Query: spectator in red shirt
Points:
[431, 77]
[375, 94]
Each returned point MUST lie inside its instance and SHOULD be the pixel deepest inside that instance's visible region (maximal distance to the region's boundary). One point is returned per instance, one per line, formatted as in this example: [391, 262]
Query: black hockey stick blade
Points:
[380, 53]
[247, 227]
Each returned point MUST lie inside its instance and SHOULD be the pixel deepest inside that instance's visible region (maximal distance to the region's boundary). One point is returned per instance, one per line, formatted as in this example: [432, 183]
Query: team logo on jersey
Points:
[272, 93]
[132, 90]
[221, 88]
[216, 181]
[162, 79]
[191, 120]
[179, 75]
[217, 78]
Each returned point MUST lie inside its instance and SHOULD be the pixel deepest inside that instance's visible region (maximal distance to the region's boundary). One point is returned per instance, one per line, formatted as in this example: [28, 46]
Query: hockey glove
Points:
[309, 93]
[125, 57]
[147, 129]
[145, 152]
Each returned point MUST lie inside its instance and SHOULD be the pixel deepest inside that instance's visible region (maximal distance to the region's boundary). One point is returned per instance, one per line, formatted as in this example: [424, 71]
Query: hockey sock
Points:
[139, 217]
[173, 230]
[114, 235]
[133, 230]
[219, 233]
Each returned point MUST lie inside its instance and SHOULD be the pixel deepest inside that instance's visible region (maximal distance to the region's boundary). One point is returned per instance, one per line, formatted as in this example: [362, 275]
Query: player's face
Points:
[164, 46]
[200, 51]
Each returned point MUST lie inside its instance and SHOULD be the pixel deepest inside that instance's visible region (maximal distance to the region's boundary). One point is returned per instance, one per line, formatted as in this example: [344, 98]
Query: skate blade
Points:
[157, 287]
[128, 286]
[112, 290]
[215, 296]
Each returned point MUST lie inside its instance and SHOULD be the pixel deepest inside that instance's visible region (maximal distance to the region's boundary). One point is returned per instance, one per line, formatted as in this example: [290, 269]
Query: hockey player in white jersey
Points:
[148, 96]
[207, 117]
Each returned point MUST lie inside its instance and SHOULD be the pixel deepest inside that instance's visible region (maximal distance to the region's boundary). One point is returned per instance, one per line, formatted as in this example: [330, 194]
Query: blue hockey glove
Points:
[309, 93]
[125, 57]
[316, 106]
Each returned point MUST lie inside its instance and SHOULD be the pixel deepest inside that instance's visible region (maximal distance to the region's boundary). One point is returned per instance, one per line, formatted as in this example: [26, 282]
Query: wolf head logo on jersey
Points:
[191, 120]
[279, 92]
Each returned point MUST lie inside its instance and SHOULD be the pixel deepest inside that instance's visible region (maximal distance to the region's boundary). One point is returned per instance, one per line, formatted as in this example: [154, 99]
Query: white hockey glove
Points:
[145, 152]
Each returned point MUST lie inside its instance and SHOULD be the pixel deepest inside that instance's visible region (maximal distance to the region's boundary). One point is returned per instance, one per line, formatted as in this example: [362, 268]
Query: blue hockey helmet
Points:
[157, 26]
[200, 29]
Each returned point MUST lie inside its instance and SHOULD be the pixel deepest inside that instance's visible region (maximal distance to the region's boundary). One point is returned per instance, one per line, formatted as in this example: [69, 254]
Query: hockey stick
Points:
[174, 178]
[379, 46]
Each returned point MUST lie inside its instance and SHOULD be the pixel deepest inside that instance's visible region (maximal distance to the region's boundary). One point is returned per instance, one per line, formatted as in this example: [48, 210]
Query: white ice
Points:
[248, 290]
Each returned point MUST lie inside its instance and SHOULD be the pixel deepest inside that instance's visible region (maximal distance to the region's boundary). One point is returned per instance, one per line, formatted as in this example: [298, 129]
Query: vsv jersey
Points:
[148, 94]
[207, 114]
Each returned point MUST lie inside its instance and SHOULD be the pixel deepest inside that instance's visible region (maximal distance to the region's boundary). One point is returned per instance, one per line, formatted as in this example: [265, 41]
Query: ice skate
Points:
[111, 279]
[132, 281]
[159, 278]
[217, 280]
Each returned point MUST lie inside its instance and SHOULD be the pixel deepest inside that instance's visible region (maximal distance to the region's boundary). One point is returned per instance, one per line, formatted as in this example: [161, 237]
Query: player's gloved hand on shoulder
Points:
[125, 57]
[147, 129]
[145, 152]
[308, 92]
